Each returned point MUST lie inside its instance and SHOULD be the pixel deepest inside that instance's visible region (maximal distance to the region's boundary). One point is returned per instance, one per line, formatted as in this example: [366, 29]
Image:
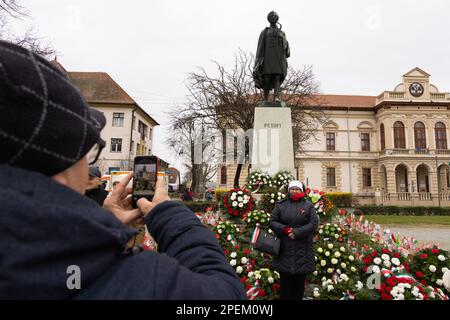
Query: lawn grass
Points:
[410, 220]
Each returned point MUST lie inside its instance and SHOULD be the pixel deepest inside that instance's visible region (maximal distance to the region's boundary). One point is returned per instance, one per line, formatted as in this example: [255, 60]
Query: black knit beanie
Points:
[45, 123]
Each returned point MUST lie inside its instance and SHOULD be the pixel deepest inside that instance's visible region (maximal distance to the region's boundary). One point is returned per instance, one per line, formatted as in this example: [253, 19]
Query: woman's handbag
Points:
[265, 242]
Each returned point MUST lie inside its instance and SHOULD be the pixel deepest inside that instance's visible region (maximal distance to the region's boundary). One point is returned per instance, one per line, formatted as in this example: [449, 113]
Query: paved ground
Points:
[424, 234]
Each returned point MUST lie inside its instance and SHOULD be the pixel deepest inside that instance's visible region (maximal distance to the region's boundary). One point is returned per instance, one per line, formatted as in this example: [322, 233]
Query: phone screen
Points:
[144, 178]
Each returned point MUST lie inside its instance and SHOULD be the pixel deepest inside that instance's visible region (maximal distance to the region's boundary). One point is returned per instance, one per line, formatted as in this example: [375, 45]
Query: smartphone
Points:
[145, 174]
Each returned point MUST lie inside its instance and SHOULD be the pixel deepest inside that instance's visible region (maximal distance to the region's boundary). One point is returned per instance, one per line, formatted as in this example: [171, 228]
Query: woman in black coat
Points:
[295, 221]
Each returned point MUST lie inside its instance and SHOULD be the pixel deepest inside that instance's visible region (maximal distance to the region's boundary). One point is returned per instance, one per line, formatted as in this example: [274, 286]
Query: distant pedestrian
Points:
[95, 190]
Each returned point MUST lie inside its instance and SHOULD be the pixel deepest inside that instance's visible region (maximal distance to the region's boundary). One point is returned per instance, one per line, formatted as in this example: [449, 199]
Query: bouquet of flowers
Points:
[269, 200]
[258, 180]
[332, 232]
[263, 284]
[406, 288]
[386, 262]
[226, 233]
[239, 259]
[339, 287]
[334, 259]
[238, 202]
[429, 265]
[258, 216]
[282, 179]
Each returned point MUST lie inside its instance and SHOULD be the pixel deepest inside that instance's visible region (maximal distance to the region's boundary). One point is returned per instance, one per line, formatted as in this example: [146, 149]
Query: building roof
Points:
[352, 101]
[99, 87]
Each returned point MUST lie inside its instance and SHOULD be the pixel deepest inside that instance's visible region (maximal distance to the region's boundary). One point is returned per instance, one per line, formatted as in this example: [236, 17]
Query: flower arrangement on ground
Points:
[332, 258]
[339, 287]
[332, 232]
[406, 288]
[226, 233]
[429, 265]
[260, 217]
[263, 284]
[282, 179]
[258, 180]
[238, 202]
[270, 199]
[239, 258]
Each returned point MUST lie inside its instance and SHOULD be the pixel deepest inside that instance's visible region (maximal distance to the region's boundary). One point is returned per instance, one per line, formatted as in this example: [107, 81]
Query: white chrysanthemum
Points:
[257, 276]
[240, 199]
[351, 258]
[337, 254]
[241, 205]
[272, 201]
[400, 296]
[270, 279]
[234, 204]
[439, 282]
[329, 270]
[315, 273]
[432, 268]
[334, 261]
[395, 261]
[316, 294]
[376, 269]
[245, 201]
[233, 255]
[385, 257]
[239, 269]
[338, 271]
[330, 246]
[240, 192]
[353, 269]
[249, 220]
[444, 270]
[244, 260]
[250, 274]
[377, 260]
[441, 257]
[342, 249]
[327, 253]
[359, 285]
[343, 265]
[387, 263]
[330, 287]
[320, 231]
[323, 263]
[319, 250]
[233, 262]
[272, 195]
[336, 236]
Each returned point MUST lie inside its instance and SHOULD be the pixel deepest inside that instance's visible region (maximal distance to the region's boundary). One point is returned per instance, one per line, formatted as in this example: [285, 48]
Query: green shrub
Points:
[219, 193]
[402, 211]
[340, 199]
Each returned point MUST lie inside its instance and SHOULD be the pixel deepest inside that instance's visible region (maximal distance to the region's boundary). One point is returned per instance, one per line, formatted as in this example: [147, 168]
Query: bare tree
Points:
[193, 140]
[11, 9]
[228, 100]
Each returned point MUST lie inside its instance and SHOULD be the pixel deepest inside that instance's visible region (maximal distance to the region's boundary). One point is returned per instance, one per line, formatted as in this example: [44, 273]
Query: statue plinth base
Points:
[272, 146]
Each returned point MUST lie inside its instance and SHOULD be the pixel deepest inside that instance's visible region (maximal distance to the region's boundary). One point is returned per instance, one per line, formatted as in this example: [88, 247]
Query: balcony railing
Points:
[396, 152]
[404, 196]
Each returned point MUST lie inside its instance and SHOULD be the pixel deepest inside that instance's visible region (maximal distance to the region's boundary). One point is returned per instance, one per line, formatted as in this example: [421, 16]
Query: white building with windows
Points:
[129, 129]
[390, 149]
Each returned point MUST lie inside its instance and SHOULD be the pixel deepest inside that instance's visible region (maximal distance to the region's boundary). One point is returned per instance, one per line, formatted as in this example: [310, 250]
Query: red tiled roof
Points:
[99, 87]
[354, 101]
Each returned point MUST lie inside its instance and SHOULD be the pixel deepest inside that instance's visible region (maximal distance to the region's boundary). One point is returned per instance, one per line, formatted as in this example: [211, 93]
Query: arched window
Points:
[223, 175]
[382, 139]
[441, 135]
[420, 135]
[399, 135]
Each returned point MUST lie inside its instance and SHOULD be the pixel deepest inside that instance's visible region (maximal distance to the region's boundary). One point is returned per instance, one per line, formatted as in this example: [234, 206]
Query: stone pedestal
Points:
[272, 146]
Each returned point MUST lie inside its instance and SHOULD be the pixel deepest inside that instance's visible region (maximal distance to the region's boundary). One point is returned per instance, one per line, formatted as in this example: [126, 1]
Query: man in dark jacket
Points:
[57, 244]
[295, 221]
[95, 189]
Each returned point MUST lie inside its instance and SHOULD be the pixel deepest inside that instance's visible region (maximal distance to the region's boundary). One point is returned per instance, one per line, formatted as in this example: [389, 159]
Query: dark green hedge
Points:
[402, 211]
[199, 206]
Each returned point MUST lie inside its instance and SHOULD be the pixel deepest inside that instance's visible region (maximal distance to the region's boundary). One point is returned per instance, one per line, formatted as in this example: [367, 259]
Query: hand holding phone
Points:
[144, 178]
[161, 195]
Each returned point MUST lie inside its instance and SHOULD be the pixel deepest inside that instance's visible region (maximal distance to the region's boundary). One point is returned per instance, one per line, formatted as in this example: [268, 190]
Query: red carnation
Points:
[367, 260]
[226, 252]
[374, 254]
[423, 282]
[365, 269]
[391, 282]
[386, 296]
[321, 193]
[236, 247]
[425, 296]
[253, 262]
[276, 287]
[230, 210]
[386, 251]
[435, 251]
[248, 287]
[217, 236]
[261, 293]
[396, 255]
[308, 191]
[419, 274]
[246, 251]
[243, 279]
[424, 256]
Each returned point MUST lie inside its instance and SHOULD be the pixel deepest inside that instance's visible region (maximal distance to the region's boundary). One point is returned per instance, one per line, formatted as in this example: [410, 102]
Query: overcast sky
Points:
[355, 47]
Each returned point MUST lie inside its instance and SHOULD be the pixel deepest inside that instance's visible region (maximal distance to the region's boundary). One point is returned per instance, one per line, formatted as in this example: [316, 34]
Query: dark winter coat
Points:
[98, 195]
[46, 227]
[296, 256]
